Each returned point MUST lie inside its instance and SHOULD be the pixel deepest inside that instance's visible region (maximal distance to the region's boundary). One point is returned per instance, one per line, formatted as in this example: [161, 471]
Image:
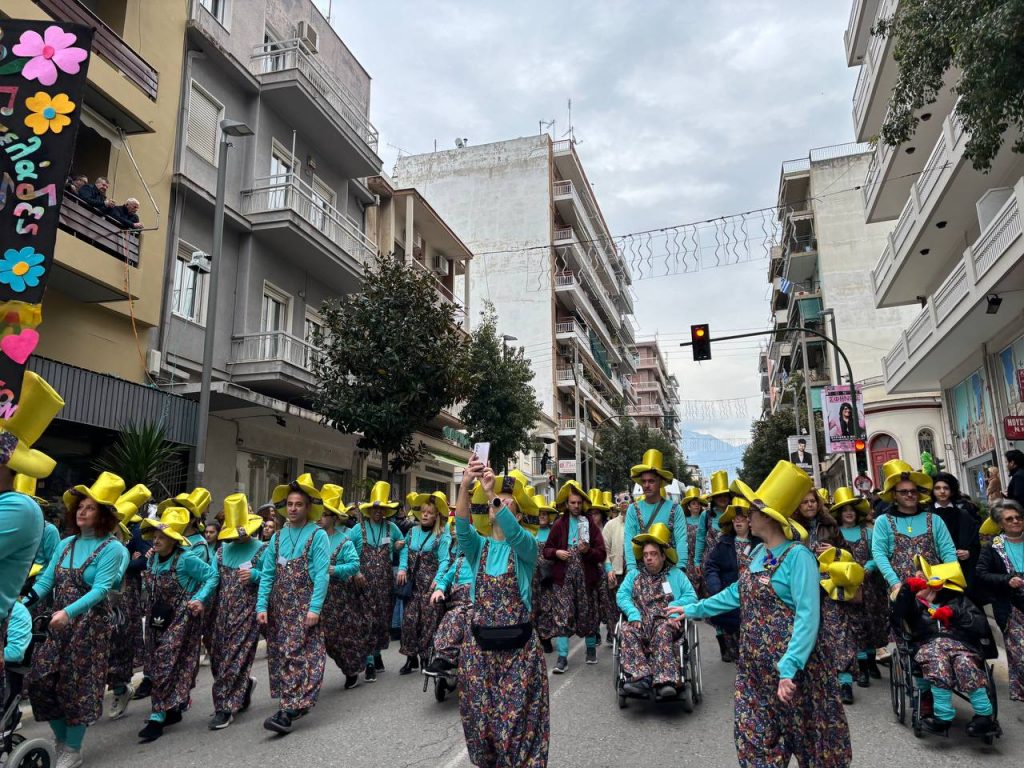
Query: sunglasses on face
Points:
[906, 492]
[1011, 519]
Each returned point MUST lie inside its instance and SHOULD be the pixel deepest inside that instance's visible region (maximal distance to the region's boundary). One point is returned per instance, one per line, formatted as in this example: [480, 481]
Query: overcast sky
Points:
[684, 111]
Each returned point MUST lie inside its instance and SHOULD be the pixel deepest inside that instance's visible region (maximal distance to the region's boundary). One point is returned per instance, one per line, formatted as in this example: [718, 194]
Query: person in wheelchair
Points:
[649, 634]
[949, 636]
[19, 636]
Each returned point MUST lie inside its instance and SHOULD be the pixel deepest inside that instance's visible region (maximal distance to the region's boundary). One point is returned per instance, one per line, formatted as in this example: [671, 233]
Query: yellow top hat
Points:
[37, 406]
[27, 485]
[659, 534]
[437, 499]
[824, 497]
[410, 499]
[990, 527]
[943, 575]
[654, 462]
[597, 500]
[606, 497]
[798, 532]
[331, 498]
[896, 471]
[196, 501]
[380, 498]
[571, 486]
[692, 493]
[127, 513]
[105, 491]
[847, 497]
[719, 484]
[515, 482]
[842, 580]
[172, 522]
[739, 505]
[237, 519]
[779, 495]
[138, 495]
[305, 484]
[833, 555]
[543, 505]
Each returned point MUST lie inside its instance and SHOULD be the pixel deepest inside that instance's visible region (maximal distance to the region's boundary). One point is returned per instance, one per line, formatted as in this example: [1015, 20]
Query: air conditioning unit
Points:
[199, 262]
[153, 362]
[308, 37]
[439, 264]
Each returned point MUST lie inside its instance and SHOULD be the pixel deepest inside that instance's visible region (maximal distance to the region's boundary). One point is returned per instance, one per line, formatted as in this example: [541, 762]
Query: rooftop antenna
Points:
[571, 133]
[547, 126]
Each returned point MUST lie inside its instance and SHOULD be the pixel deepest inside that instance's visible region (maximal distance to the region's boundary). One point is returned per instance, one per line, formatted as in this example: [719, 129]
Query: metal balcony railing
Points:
[273, 346]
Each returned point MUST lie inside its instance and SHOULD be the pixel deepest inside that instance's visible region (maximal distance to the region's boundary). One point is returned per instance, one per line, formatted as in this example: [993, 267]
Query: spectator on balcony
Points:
[95, 195]
[76, 182]
[127, 215]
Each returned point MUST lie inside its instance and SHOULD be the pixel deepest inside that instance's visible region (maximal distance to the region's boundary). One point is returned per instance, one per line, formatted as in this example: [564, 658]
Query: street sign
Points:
[567, 466]
[1013, 427]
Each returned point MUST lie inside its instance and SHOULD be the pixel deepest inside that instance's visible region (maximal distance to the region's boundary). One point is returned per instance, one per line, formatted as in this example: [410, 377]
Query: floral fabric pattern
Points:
[949, 664]
[343, 624]
[377, 598]
[650, 647]
[872, 623]
[1013, 635]
[421, 616]
[172, 653]
[574, 608]
[235, 635]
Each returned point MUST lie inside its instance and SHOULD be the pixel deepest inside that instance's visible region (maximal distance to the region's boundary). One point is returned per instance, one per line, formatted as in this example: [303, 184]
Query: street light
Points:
[228, 128]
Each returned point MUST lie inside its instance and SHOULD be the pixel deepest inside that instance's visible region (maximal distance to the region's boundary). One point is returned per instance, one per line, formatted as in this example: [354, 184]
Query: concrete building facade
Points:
[657, 391]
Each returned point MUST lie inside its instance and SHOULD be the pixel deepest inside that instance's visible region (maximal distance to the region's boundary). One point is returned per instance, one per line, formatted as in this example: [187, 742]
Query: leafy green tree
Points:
[392, 358]
[622, 447]
[767, 446]
[981, 40]
[501, 407]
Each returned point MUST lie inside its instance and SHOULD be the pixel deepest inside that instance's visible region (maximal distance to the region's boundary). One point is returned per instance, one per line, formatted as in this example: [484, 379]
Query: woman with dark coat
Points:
[960, 517]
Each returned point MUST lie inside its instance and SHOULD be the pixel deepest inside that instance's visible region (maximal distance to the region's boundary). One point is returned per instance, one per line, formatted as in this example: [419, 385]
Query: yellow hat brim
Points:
[439, 502]
[638, 469]
[31, 462]
[638, 548]
[990, 527]
[150, 528]
[482, 523]
[250, 528]
[35, 570]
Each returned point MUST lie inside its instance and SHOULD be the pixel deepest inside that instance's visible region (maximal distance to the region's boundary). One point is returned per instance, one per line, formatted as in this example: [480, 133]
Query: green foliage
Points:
[767, 446]
[392, 358]
[622, 447]
[501, 407]
[982, 40]
[140, 454]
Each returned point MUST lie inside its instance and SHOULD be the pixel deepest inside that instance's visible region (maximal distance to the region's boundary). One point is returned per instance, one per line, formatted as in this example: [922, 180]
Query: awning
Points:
[452, 461]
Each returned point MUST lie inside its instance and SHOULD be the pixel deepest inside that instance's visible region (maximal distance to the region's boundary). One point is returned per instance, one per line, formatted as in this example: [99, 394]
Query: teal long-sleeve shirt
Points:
[19, 634]
[102, 575]
[632, 527]
[289, 544]
[882, 543]
[200, 548]
[700, 543]
[419, 540]
[852, 536]
[542, 534]
[345, 564]
[517, 540]
[21, 530]
[795, 581]
[48, 544]
[235, 554]
[682, 591]
[375, 536]
[196, 577]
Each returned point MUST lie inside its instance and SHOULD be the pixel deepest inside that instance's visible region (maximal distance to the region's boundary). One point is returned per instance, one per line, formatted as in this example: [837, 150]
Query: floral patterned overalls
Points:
[649, 650]
[378, 596]
[1013, 637]
[421, 616]
[343, 623]
[575, 607]
[873, 631]
[452, 629]
[906, 548]
[235, 633]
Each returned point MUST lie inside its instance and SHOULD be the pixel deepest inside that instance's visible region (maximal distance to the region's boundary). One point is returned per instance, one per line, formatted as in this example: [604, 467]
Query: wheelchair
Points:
[444, 682]
[906, 696]
[690, 693]
[15, 750]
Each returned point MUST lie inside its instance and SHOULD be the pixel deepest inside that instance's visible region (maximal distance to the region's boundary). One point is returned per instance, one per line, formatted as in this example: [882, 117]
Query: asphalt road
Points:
[394, 723]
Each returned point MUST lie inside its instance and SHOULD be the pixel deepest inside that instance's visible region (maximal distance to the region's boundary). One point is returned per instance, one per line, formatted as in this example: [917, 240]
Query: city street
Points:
[393, 723]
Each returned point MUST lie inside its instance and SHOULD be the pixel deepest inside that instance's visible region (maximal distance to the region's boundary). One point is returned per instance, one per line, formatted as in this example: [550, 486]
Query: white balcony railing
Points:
[273, 346]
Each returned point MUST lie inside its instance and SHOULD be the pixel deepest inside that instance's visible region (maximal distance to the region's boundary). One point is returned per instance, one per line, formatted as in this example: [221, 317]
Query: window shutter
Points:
[203, 120]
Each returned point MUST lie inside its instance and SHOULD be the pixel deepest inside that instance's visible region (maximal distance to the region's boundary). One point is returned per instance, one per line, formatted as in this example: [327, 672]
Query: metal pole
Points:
[576, 412]
[211, 311]
[811, 431]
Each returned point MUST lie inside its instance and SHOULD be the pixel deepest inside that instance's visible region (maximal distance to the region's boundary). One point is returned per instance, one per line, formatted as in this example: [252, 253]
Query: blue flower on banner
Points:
[21, 269]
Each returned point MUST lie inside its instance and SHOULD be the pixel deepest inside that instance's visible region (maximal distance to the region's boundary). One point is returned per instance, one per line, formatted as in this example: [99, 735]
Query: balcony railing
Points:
[287, 191]
[645, 409]
[290, 54]
[442, 290]
[86, 224]
[107, 43]
[273, 346]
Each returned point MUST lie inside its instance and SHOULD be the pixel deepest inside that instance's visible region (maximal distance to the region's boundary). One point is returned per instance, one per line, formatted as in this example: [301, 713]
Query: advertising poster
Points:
[840, 426]
[1011, 363]
[801, 452]
[973, 421]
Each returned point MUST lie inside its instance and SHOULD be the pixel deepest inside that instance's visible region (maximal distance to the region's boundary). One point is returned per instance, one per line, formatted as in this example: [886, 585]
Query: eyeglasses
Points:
[906, 491]
[1011, 519]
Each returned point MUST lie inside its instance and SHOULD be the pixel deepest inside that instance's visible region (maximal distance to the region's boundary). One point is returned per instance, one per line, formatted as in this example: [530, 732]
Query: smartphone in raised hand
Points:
[482, 452]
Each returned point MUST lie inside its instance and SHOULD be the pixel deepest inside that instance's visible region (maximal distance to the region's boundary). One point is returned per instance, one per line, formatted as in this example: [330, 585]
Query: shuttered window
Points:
[204, 116]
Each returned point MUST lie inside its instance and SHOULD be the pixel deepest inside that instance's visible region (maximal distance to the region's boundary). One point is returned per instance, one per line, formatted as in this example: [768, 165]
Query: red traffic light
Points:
[859, 445]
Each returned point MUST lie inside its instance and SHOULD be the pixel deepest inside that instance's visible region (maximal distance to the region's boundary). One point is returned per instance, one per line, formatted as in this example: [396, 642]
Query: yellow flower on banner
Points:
[48, 113]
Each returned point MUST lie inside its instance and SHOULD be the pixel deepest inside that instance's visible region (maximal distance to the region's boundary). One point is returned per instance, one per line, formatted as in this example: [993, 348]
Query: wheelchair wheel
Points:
[440, 688]
[32, 753]
[897, 687]
[695, 672]
[686, 697]
[617, 676]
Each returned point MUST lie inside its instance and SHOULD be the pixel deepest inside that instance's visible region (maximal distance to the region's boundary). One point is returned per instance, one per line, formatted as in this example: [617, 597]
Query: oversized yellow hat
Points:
[692, 493]
[847, 497]
[779, 495]
[798, 532]
[138, 495]
[659, 534]
[438, 499]
[542, 504]
[105, 491]
[35, 570]
[943, 575]
[237, 520]
[990, 527]
[596, 497]
[739, 506]
[331, 496]
[304, 484]
[410, 499]
[27, 485]
[515, 483]
[609, 499]
[653, 461]
[824, 497]
[38, 405]
[172, 522]
[127, 513]
[380, 498]
[571, 486]
[896, 471]
[197, 502]
[842, 580]
[833, 555]
[719, 484]
[479, 497]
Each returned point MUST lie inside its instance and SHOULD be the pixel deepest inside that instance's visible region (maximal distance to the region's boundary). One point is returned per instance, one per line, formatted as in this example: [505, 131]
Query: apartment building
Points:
[817, 272]
[954, 254]
[103, 297]
[546, 259]
[657, 391]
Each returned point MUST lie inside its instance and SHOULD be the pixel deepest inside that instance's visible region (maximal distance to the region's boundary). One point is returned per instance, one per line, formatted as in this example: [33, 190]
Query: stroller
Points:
[15, 750]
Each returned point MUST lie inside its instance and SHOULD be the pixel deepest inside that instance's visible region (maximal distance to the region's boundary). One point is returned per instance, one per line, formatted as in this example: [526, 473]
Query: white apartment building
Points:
[546, 259]
[817, 275]
[954, 254]
[657, 391]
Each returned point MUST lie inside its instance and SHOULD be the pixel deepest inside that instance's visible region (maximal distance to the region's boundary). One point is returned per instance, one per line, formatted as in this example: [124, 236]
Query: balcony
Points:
[645, 409]
[955, 317]
[444, 293]
[876, 80]
[569, 287]
[573, 210]
[567, 428]
[572, 257]
[102, 233]
[588, 392]
[274, 362]
[858, 30]
[107, 44]
[294, 82]
[289, 215]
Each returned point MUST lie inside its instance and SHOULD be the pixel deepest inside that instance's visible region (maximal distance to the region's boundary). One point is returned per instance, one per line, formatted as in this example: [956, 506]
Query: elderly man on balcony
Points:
[127, 215]
[95, 195]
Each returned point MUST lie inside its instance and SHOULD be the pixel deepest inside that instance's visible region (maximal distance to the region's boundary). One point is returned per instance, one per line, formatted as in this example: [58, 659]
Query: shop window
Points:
[926, 441]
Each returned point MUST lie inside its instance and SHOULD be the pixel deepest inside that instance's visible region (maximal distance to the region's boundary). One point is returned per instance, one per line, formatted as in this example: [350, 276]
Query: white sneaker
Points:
[58, 748]
[121, 702]
[70, 758]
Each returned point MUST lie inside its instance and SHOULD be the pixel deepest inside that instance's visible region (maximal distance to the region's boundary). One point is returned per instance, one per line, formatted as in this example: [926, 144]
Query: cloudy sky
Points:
[684, 111]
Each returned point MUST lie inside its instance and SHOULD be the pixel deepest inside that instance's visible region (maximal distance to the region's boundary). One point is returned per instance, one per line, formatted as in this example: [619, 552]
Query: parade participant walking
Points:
[614, 543]
[648, 636]
[601, 504]
[429, 545]
[293, 587]
[962, 521]
[453, 596]
[787, 699]
[179, 584]
[86, 566]
[543, 586]
[235, 631]
[576, 551]
[341, 617]
[708, 527]
[197, 502]
[728, 559]
[692, 504]
[504, 696]
[872, 626]
[822, 529]
[652, 476]
[840, 615]
[376, 541]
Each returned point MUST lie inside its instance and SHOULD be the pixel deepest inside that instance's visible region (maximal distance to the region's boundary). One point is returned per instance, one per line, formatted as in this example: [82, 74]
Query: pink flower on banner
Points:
[54, 50]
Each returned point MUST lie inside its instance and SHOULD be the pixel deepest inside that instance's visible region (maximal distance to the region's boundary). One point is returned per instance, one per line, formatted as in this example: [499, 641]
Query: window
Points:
[313, 326]
[271, 42]
[274, 322]
[926, 441]
[256, 475]
[282, 170]
[188, 297]
[215, 7]
[204, 116]
[322, 212]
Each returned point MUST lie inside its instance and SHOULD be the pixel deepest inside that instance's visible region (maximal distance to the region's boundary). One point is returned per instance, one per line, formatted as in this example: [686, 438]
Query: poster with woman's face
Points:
[841, 426]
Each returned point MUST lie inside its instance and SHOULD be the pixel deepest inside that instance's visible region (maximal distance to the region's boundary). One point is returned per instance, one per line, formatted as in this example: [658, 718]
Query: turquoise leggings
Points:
[943, 701]
[72, 735]
[562, 644]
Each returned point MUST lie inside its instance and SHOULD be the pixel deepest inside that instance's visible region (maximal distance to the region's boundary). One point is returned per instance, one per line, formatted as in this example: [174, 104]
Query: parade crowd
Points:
[803, 589]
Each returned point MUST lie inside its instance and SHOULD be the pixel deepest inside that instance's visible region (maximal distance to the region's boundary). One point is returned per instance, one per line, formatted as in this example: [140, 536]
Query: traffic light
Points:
[940, 465]
[861, 449]
[700, 339]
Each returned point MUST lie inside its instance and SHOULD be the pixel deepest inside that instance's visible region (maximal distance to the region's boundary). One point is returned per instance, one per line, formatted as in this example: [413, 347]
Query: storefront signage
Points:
[567, 466]
[1013, 427]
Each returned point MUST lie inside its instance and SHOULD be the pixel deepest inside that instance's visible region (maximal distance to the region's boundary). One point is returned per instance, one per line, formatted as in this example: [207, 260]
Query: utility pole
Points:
[576, 412]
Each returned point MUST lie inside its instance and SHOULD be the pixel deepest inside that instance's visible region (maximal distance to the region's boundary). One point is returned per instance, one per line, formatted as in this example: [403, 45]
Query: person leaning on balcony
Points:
[127, 215]
[76, 182]
[95, 195]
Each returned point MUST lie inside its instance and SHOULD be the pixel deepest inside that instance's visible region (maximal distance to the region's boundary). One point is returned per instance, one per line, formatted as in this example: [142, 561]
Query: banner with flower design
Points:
[43, 68]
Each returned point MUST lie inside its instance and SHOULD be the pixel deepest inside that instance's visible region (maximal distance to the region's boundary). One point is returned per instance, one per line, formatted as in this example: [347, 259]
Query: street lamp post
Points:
[228, 128]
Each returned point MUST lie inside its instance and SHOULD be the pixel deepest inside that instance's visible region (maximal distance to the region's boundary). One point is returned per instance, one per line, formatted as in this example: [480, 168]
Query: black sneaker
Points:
[145, 688]
[846, 693]
[151, 731]
[547, 646]
[378, 662]
[351, 681]
[981, 726]
[279, 722]
[249, 688]
[592, 655]
[221, 720]
[371, 673]
[411, 663]
[438, 666]
[172, 717]
[561, 664]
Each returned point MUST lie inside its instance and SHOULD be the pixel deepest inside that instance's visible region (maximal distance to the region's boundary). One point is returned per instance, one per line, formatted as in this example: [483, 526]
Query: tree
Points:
[767, 446]
[982, 40]
[501, 407]
[140, 454]
[392, 358]
[622, 447]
